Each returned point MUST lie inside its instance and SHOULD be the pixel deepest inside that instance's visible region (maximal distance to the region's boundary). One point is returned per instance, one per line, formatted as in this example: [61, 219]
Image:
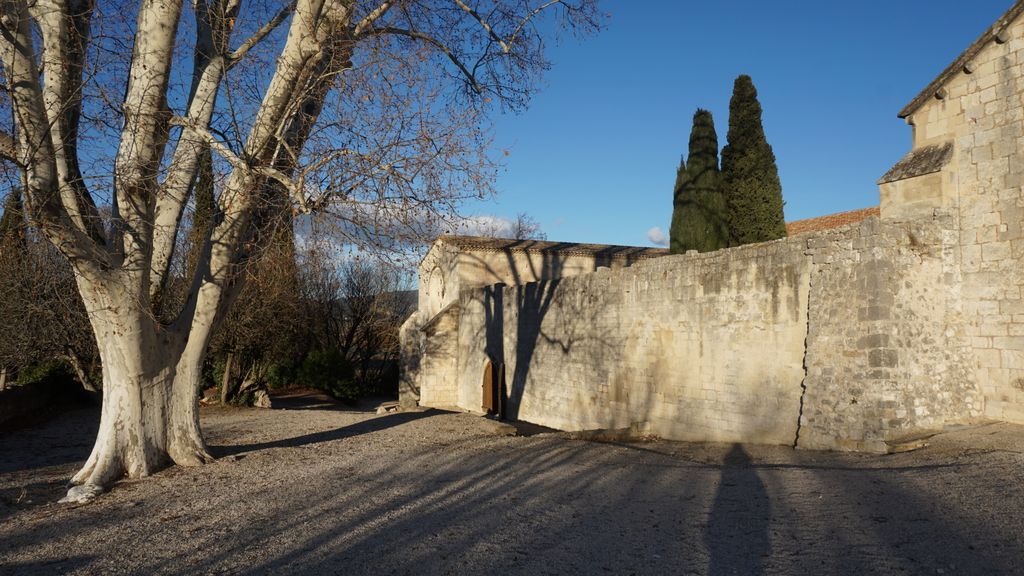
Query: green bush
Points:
[280, 376]
[52, 371]
[328, 370]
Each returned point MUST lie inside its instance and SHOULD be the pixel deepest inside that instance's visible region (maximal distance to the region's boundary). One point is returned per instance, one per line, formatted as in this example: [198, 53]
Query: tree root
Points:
[189, 453]
[82, 493]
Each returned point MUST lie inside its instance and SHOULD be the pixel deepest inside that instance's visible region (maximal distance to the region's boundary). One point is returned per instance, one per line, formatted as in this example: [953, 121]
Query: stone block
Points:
[883, 358]
[988, 358]
[873, 341]
[867, 314]
[1008, 342]
[995, 251]
[1012, 359]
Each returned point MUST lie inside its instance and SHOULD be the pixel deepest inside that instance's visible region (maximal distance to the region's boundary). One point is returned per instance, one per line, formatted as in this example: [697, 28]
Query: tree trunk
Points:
[3, 378]
[227, 382]
[151, 376]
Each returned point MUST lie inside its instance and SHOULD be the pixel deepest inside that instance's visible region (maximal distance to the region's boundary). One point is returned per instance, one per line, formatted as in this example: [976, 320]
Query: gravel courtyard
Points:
[318, 489]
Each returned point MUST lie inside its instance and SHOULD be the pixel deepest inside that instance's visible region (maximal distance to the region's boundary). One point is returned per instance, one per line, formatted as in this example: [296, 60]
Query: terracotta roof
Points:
[506, 244]
[830, 221]
[957, 66]
[924, 160]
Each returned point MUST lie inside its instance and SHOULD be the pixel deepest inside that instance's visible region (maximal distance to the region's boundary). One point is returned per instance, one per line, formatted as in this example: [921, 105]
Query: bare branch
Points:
[260, 34]
[9, 148]
[145, 119]
[372, 17]
[470, 77]
[530, 16]
[65, 28]
[213, 28]
[476, 16]
[213, 142]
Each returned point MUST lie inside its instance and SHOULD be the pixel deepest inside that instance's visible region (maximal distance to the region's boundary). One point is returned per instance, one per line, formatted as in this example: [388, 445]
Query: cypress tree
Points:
[750, 177]
[699, 218]
[675, 232]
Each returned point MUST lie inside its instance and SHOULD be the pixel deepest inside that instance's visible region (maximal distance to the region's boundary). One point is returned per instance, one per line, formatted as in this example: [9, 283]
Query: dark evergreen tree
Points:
[699, 218]
[675, 232]
[750, 177]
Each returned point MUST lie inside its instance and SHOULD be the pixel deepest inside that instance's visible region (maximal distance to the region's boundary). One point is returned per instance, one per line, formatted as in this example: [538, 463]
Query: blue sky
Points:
[594, 157]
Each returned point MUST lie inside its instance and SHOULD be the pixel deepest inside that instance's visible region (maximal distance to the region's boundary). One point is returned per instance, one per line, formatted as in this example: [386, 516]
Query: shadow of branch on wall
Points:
[516, 328]
[532, 304]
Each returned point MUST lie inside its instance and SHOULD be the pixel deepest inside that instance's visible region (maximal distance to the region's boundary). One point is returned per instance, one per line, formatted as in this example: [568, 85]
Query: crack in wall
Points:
[803, 381]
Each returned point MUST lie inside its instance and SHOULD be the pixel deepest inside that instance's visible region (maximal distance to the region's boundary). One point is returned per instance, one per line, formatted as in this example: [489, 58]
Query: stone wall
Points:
[455, 263]
[705, 347]
[429, 362]
[843, 339]
[887, 346]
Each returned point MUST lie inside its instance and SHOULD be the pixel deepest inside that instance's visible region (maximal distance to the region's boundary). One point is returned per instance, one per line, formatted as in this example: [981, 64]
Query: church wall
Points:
[983, 114]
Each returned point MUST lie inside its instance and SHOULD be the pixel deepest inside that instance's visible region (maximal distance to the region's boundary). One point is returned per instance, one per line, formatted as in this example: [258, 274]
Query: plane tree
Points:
[371, 111]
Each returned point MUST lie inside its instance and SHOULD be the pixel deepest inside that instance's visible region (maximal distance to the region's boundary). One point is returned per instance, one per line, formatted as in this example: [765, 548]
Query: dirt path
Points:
[318, 490]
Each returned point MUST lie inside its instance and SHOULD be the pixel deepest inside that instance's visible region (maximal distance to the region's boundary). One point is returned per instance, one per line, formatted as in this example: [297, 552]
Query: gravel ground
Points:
[315, 489]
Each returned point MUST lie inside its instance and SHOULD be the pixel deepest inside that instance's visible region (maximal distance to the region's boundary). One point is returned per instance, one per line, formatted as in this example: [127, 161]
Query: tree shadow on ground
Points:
[32, 495]
[359, 428]
[47, 444]
[481, 504]
[921, 523]
[66, 565]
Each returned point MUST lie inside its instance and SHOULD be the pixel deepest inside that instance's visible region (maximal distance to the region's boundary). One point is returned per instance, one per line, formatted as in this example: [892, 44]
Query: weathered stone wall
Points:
[887, 348]
[714, 346]
[982, 113]
[703, 347]
[916, 197]
[429, 363]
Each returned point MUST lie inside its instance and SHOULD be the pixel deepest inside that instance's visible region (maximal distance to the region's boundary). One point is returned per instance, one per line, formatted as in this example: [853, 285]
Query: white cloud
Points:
[485, 225]
[657, 237]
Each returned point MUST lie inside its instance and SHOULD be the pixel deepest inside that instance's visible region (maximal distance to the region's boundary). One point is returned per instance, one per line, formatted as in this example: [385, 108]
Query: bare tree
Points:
[40, 311]
[355, 304]
[526, 227]
[367, 109]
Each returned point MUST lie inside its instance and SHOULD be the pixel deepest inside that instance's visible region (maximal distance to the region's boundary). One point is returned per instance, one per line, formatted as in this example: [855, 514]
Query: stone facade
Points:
[976, 107]
[849, 339]
[887, 353]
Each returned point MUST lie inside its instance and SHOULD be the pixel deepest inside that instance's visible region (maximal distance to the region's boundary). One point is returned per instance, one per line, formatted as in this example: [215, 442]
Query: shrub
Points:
[328, 370]
[281, 376]
[50, 372]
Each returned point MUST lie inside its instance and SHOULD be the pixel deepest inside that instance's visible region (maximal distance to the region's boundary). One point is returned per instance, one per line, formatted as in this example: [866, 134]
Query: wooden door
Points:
[493, 388]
